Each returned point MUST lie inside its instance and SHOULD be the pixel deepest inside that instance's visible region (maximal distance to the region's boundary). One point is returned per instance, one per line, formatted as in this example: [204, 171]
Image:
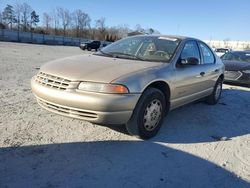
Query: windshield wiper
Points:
[116, 54]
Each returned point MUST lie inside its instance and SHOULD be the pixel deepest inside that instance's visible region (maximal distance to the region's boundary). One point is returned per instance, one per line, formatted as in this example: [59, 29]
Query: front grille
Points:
[77, 113]
[52, 81]
[232, 75]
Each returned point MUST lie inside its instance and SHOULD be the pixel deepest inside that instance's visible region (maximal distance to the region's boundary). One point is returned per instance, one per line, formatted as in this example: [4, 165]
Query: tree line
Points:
[61, 21]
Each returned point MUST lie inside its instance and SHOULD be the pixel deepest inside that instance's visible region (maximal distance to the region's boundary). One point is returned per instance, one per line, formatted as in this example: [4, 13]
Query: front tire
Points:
[148, 114]
[215, 96]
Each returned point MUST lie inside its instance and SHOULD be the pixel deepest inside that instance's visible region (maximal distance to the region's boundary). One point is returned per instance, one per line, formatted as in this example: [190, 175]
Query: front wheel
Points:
[215, 96]
[148, 114]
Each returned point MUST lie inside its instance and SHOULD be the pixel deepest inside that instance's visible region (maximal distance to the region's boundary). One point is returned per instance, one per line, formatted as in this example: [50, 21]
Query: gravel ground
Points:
[198, 145]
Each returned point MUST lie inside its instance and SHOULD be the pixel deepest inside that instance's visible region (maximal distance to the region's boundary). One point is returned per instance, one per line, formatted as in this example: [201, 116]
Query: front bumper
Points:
[82, 47]
[98, 108]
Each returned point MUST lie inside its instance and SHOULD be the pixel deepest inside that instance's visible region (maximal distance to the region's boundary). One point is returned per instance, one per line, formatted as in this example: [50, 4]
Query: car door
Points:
[96, 44]
[209, 65]
[189, 79]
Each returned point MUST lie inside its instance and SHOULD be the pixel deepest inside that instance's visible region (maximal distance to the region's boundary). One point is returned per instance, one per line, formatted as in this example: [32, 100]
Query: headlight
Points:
[103, 88]
[246, 71]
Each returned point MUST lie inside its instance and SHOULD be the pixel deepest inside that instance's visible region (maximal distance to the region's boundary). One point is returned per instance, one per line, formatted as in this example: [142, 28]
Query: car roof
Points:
[167, 36]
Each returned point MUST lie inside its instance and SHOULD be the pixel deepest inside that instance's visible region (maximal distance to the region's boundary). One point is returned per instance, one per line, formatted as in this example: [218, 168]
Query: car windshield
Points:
[237, 56]
[145, 48]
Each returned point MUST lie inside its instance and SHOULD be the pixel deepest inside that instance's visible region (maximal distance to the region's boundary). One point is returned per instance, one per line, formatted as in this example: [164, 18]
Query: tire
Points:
[89, 49]
[215, 96]
[145, 124]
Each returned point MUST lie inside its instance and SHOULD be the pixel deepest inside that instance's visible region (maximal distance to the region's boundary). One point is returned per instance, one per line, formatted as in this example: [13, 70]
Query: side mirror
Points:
[190, 61]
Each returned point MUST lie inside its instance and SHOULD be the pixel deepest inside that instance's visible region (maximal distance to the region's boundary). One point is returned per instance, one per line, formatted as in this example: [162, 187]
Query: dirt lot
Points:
[41, 149]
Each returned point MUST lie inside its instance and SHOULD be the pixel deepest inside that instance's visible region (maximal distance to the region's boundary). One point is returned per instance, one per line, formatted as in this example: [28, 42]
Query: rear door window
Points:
[207, 54]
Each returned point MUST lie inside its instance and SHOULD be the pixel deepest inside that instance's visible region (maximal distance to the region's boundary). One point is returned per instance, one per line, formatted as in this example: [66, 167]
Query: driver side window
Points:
[190, 50]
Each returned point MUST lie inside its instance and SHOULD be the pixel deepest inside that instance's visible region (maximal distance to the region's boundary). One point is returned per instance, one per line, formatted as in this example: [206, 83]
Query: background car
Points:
[104, 44]
[221, 51]
[237, 65]
[91, 45]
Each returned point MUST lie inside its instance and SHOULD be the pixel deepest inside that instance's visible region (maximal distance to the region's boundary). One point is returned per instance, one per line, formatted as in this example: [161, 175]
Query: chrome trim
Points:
[77, 113]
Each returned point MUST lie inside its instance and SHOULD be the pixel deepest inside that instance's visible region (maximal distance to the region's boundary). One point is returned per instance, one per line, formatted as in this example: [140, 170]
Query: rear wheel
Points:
[148, 114]
[215, 96]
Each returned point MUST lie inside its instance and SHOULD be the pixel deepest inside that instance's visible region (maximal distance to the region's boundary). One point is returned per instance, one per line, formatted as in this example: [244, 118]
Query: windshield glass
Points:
[237, 56]
[145, 48]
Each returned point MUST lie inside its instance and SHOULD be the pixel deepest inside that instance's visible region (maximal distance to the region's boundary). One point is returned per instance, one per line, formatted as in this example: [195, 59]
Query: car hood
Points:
[94, 68]
[236, 65]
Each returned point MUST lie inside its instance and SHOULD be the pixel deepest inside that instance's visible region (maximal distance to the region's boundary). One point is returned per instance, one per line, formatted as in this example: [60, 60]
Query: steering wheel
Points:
[161, 54]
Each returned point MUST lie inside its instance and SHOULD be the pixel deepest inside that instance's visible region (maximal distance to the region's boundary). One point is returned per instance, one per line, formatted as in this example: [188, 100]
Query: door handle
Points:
[202, 73]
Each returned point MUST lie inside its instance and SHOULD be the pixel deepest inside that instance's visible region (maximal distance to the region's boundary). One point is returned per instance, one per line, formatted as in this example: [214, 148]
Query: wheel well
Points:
[222, 76]
[163, 87]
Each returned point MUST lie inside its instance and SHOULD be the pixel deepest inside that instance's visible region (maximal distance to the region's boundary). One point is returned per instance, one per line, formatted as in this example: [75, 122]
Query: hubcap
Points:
[152, 115]
[218, 91]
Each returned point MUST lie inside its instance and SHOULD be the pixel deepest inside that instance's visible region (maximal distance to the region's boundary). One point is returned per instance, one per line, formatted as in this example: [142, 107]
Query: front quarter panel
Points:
[137, 82]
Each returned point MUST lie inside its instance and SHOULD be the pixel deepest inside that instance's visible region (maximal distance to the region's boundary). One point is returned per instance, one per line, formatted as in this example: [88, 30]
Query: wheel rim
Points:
[218, 91]
[152, 115]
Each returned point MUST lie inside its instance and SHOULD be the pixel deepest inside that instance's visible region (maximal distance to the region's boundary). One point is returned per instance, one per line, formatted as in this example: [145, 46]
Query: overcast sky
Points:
[213, 19]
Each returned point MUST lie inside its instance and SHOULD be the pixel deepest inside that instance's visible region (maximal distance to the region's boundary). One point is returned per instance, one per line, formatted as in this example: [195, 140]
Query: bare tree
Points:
[122, 31]
[100, 25]
[139, 28]
[2, 26]
[65, 17]
[66, 23]
[25, 15]
[81, 21]
[47, 21]
[1, 17]
[18, 11]
[55, 18]
[76, 21]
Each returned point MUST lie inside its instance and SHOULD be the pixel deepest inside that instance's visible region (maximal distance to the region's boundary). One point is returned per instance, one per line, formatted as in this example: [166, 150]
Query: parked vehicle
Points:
[91, 45]
[237, 65]
[221, 51]
[104, 44]
[134, 81]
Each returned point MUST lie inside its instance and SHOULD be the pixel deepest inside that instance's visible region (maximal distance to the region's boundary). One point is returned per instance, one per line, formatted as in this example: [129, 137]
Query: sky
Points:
[206, 20]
